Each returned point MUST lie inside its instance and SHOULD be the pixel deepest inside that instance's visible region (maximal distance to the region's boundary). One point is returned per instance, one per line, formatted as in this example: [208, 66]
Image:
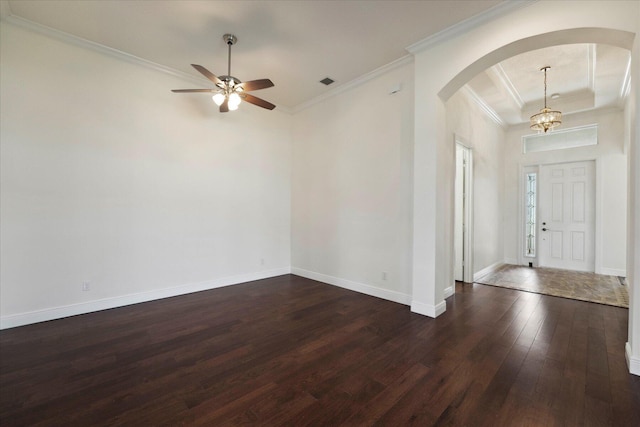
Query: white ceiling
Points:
[298, 43]
[582, 77]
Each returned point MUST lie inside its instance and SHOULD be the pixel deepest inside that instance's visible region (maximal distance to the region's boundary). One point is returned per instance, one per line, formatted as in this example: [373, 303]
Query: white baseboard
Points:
[477, 275]
[632, 362]
[449, 291]
[613, 272]
[21, 319]
[427, 309]
[363, 288]
[511, 261]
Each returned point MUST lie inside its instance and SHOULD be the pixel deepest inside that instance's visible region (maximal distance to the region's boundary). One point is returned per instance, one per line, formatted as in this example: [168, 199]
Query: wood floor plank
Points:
[380, 404]
[292, 351]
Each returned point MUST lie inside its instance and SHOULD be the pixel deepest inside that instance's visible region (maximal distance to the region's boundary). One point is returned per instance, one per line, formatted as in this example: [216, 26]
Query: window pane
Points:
[559, 139]
[530, 216]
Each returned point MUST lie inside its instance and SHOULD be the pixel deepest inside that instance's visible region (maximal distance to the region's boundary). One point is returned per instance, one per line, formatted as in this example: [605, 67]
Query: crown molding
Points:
[600, 110]
[591, 67]
[97, 47]
[468, 24]
[407, 59]
[506, 82]
[490, 112]
[586, 114]
[626, 82]
[108, 51]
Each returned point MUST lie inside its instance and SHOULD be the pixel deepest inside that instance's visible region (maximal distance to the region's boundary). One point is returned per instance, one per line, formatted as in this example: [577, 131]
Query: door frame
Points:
[526, 167]
[467, 211]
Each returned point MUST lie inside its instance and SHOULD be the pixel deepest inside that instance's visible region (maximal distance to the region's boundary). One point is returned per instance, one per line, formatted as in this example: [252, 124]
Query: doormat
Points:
[578, 285]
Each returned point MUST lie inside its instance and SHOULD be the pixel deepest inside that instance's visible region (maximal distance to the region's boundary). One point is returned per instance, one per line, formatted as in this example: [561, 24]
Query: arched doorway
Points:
[440, 70]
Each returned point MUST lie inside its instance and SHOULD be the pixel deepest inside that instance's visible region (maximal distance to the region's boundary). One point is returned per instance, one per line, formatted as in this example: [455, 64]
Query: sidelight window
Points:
[530, 215]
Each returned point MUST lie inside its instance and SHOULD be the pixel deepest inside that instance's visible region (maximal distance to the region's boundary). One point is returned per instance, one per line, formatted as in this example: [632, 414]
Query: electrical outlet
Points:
[86, 286]
[261, 261]
[384, 275]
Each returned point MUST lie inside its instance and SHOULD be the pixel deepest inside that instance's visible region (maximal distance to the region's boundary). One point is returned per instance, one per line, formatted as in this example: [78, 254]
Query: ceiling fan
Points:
[230, 91]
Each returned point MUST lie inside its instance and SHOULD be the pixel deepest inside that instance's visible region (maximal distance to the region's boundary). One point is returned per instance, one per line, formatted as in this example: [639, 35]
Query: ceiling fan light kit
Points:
[547, 118]
[230, 91]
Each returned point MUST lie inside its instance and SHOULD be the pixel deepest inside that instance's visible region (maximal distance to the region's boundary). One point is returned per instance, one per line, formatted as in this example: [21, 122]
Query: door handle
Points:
[544, 229]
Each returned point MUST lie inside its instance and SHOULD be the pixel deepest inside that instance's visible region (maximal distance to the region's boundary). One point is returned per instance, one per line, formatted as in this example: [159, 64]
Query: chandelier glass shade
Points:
[547, 118]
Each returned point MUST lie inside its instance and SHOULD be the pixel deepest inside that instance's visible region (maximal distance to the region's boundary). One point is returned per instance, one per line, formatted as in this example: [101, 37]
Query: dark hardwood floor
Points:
[291, 351]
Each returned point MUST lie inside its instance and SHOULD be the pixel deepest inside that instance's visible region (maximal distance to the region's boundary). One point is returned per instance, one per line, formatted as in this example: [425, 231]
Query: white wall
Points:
[352, 175]
[466, 120]
[611, 185]
[110, 178]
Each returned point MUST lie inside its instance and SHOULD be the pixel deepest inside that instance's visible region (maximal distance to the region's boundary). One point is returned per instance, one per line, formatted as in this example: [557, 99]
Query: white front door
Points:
[567, 216]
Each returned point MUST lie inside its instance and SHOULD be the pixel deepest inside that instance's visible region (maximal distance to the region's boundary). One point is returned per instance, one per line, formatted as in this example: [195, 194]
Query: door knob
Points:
[544, 229]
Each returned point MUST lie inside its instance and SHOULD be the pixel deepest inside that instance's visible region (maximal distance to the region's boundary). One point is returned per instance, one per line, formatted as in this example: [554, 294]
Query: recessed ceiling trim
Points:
[504, 79]
[591, 67]
[584, 113]
[626, 82]
[490, 112]
[468, 24]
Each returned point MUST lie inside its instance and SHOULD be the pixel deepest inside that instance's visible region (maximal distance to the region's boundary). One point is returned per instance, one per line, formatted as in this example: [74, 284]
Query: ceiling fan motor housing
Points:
[230, 39]
[228, 79]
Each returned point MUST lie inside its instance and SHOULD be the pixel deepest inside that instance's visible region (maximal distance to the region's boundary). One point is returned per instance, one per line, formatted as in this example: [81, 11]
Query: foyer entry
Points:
[578, 285]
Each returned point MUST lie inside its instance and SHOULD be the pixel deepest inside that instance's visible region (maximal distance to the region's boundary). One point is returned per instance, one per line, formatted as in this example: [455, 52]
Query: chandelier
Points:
[547, 118]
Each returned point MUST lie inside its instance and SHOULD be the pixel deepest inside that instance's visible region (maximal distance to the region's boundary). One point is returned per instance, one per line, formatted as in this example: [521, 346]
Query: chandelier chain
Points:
[545, 87]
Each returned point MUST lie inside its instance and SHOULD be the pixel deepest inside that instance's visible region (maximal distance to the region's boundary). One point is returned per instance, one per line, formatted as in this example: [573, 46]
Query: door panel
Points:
[567, 216]
[458, 232]
[578, 206]
[557, 199]
[577, 245]
[556, 244]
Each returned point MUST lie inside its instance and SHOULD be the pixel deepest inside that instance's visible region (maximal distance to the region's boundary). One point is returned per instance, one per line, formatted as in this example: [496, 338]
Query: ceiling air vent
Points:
[327, 81]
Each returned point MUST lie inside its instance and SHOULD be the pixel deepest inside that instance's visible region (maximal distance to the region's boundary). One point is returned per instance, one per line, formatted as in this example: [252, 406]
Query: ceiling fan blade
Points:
[208, 74]
[256, 84]
[191, 90]
[224, 107]
[257, 101]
